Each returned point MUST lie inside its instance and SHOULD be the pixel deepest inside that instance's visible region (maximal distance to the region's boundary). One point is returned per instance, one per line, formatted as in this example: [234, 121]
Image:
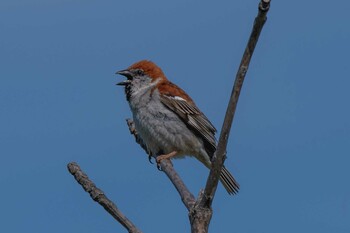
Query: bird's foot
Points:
[162, 157]
[150, 159]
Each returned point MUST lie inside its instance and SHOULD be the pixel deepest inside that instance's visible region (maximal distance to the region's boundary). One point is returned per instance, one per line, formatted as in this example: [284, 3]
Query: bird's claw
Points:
[159, 167]
[150, 159]
[159, 158]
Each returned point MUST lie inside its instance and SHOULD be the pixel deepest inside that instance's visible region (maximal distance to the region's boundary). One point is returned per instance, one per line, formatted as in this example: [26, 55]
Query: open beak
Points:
[127, 74]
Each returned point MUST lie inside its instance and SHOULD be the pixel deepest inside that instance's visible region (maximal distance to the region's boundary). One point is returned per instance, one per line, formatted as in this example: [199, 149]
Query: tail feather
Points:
[230, 184]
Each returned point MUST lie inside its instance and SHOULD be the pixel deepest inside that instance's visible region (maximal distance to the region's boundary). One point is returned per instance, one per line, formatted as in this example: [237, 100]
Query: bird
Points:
[167, 120]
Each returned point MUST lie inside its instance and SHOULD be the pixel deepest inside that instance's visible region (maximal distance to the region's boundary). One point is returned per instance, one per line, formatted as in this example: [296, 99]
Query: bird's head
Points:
[140, 76]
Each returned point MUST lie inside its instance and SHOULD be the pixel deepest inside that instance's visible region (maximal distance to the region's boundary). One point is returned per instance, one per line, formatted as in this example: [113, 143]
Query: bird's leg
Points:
[166, 156]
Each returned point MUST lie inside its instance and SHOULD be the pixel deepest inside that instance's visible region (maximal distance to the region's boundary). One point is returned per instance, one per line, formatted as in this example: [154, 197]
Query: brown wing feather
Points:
[180, 103]
[184, 107]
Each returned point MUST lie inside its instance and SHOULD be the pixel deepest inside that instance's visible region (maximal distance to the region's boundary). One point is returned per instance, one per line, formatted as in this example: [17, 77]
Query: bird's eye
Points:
[140, 72]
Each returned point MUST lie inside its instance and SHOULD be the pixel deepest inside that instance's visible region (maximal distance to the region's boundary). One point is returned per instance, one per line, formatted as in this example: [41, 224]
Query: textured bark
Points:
[220, 154]
[97, 195]
[201, 216]
[186, 196]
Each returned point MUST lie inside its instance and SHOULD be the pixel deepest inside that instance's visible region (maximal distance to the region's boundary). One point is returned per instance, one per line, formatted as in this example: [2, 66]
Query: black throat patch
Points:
[128, 92]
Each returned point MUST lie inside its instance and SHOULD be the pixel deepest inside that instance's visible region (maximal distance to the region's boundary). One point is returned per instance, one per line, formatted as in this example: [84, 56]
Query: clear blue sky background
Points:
[289, 145]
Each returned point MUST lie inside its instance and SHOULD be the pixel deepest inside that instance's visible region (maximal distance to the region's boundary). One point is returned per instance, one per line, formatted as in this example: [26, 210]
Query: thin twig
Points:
[186, 196]
[97, 195]
[166, 166]
[201, 214]
[220, 154]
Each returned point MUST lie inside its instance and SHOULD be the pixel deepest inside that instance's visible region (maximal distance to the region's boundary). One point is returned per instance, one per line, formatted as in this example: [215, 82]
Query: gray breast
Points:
[161, 129]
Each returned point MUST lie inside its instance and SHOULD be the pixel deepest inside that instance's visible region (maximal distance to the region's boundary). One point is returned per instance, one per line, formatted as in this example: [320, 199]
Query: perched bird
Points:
[167, 120]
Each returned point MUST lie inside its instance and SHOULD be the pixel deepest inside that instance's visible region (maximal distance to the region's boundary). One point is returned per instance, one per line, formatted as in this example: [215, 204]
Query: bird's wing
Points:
[181, 104]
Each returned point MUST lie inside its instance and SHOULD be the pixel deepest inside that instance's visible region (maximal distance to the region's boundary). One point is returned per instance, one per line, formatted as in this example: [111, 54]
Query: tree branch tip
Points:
[98, 195]
[73, 167]
[264, 5]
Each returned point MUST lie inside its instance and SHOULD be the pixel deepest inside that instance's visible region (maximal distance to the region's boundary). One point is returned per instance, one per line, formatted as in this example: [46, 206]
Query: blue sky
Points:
[289, 144]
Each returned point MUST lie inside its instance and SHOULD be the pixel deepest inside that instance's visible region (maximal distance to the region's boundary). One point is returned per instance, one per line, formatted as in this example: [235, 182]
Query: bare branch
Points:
[201, 213]
[200, 216]
[220, 154]
[167, 167]
[97, 195]
[186, 196]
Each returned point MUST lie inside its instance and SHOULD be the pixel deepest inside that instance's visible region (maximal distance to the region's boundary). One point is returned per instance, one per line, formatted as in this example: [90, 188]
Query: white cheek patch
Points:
[152, 84]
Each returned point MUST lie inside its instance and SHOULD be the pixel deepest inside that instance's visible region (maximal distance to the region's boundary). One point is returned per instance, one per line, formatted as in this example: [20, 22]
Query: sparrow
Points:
[167, 120]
